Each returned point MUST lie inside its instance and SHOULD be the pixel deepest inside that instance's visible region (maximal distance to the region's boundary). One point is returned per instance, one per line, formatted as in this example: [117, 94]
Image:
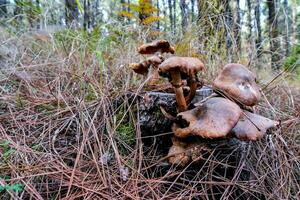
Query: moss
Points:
[126, 128]
[292, 62]
[90, 94]
[127, 133]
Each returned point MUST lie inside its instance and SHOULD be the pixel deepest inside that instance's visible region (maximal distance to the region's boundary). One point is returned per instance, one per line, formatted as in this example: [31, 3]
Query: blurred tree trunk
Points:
[95, 13]
[87, 15]
[287, 28]
[249, 19]
[158, 13]
[212, 29]
[229, 27]
[3, 9]
[38, 21]
[71, 13]
[295, 24]
[237, 27]
[258, 39]
[273, 34]
[164, 10]
[174, 17]
[184, 17]
[18, 11]
[171, 16]
[193, 10]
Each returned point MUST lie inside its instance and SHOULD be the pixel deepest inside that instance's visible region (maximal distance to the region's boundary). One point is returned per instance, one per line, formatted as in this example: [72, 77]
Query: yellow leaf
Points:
[126, 14]
[150, 20]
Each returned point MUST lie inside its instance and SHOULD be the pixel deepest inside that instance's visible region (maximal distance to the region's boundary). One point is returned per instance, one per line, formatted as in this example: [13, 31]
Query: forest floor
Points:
[62, 136]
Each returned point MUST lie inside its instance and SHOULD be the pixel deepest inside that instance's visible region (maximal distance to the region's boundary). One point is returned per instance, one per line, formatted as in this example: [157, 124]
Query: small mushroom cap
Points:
[139, 68]
[155, 60]
[237, 82]
[188, 66]
[143, 67]
[162, 46]
[252, 126]
[212, 119]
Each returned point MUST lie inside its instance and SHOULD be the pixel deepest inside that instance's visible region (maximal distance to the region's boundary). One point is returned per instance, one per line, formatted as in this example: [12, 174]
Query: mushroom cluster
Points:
[157, 49]
[225, 114]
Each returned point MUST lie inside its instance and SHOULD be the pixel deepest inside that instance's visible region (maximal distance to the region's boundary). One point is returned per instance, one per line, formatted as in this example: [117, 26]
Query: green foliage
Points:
[79, 6]
[6, 150]
[15, 187]
[292, 63]
[29, 8]
[125, 129]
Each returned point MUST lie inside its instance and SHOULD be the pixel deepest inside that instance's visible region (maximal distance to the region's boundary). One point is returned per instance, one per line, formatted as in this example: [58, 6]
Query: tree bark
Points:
[87, 15]
[230, 26]
[249, 19]
[237, 27]
[258, 39]
[71, 13]
[174, 17]
[3, 9]
[38, 21]
[193, 10]
[273, 34]
[158, 13]
[184, 18]
[287, 28]
[171, 16]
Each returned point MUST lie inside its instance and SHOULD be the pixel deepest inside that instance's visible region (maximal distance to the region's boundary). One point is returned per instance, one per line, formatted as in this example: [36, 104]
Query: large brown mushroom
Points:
[213, 119]
[252, 126]
[178, 68]
[238, 83]
[161, 46]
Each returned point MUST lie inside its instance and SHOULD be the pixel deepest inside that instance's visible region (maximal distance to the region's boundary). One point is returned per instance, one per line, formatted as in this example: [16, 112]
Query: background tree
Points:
[3, 9]
[258, 38]
[87, 15]
[184, 16]
[273, 34]
[71, 13]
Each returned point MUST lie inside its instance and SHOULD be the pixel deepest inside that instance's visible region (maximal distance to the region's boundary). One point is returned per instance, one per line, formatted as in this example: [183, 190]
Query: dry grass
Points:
[62, 135]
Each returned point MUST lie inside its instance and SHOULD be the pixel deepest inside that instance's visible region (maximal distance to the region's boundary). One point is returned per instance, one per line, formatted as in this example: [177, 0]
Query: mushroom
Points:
[181, 153]
[178, 68]
[143, 67]
[252, 126]
[238, 83]
[161, 46]
[177, 155]
[158, 48]
[212, 119]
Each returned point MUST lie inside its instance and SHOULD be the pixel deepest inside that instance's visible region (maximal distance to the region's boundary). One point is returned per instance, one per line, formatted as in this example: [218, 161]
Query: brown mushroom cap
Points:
[188, 66]
[213, 119]
[162, 46]
[237, 82]
[252, 126]
[143, 67]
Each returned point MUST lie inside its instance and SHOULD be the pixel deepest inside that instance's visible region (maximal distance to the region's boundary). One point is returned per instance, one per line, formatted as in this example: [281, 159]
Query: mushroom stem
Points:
[193, 88]
[177, 84]
[154, 76]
